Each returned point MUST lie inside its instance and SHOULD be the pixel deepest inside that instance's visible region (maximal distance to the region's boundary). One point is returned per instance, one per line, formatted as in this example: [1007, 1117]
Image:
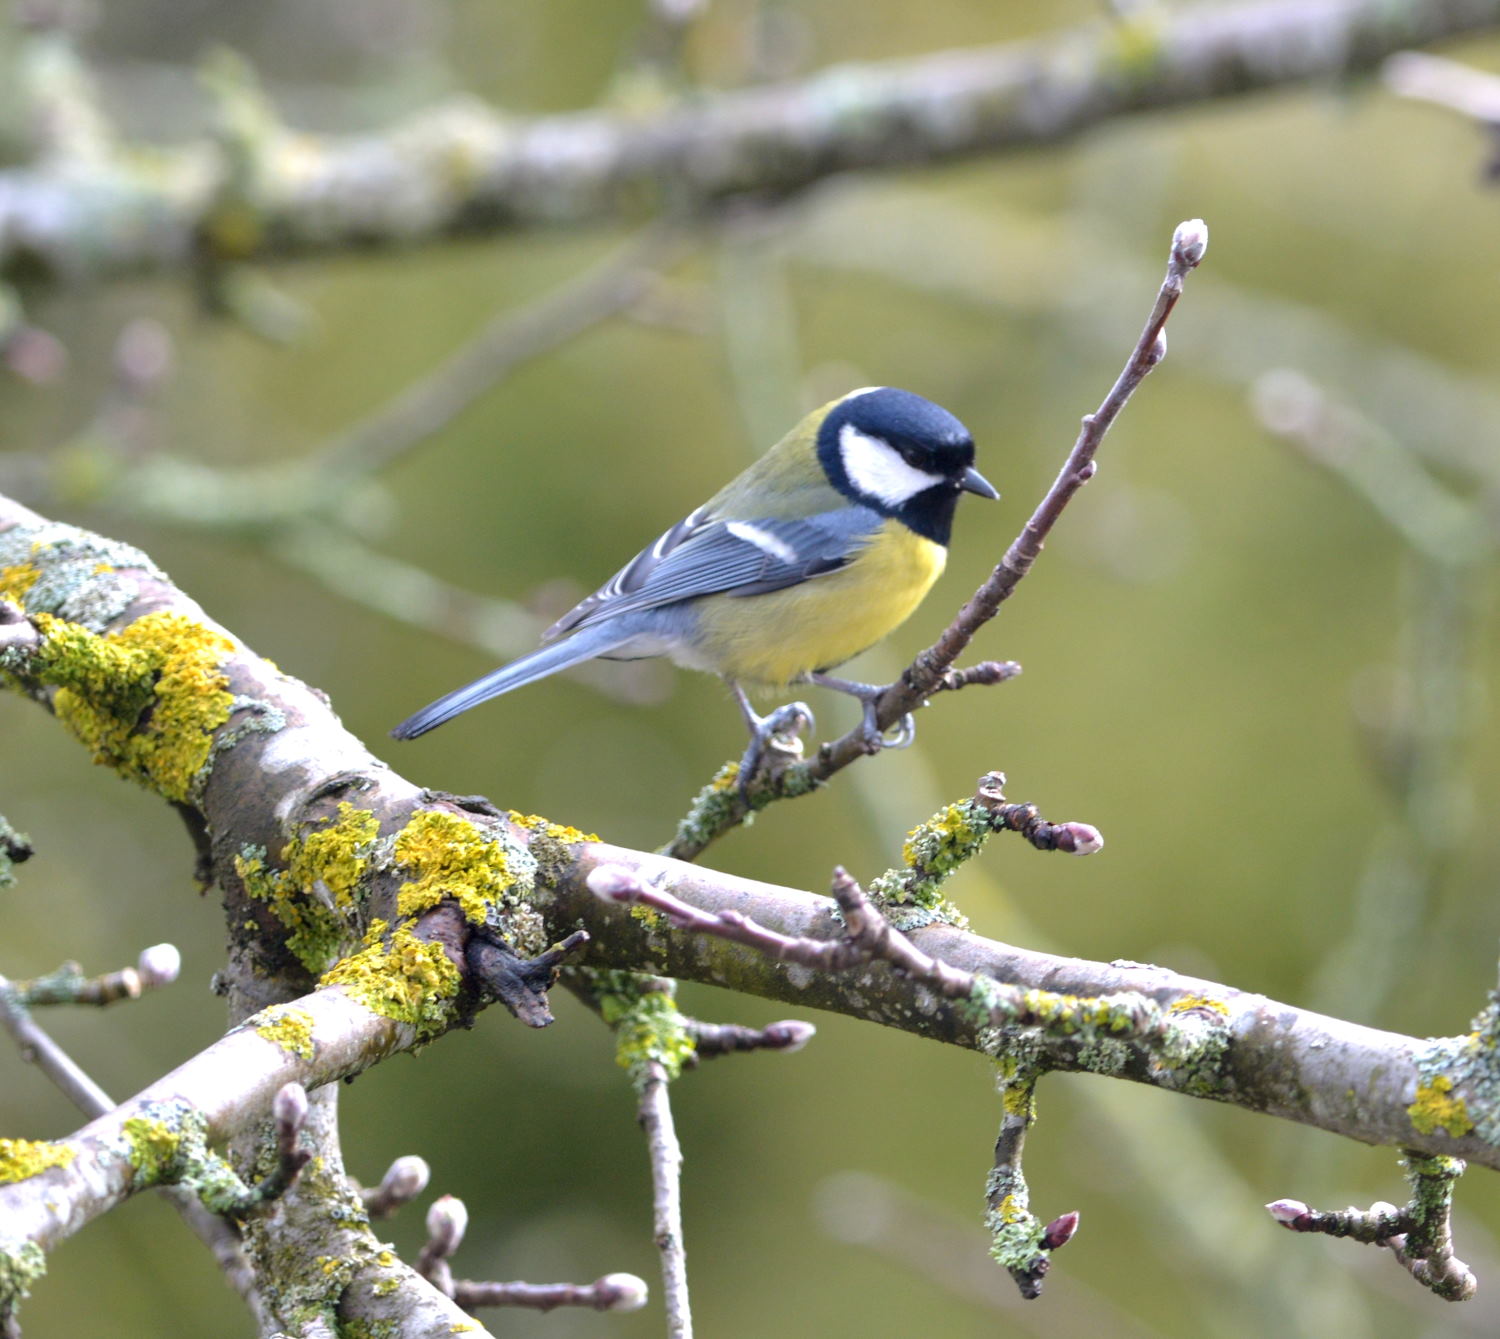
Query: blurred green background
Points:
[1273, 707]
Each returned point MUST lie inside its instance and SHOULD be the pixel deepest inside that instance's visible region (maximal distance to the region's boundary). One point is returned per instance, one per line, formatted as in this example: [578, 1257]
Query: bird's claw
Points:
[781, 730]
[874, 739]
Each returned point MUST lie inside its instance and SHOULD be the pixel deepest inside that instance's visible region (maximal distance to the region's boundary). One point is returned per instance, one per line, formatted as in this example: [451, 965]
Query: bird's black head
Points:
[902, 456]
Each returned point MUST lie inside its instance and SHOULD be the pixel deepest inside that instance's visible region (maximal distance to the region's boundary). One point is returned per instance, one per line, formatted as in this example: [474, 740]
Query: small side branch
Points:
[448, 1221]
[655, 1116]
[1180, 1036]
[1419, 1235]
[613, 1292]
[1018, 1240]
[156, 966]
[711, 1040]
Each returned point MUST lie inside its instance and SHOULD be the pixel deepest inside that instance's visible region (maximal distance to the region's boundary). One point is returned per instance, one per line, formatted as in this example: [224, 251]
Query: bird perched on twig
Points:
[817, 551]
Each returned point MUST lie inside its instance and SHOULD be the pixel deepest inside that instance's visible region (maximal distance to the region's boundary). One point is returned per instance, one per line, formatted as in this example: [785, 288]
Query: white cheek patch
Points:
[764, 540]
[876, 469]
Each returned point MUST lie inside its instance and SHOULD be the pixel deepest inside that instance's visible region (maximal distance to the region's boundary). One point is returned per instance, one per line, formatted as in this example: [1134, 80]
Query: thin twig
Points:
[711, 1040]
[38, 1047]
[926, 673]
[655, 1116]
[513, 338]
[1419, 1235]
[613, 1292]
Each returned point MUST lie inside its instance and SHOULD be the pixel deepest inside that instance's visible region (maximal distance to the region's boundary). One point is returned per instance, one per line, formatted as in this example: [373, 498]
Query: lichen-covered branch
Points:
[1419, 1235]
[1438, 1095]
[258, 189]
[353, 896]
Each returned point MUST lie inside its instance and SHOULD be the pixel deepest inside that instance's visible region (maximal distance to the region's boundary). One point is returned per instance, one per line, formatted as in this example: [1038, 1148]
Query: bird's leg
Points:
[874, 737]
[787, 721]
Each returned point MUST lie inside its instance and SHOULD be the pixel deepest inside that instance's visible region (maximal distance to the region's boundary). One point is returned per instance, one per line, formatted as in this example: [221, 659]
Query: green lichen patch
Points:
[145, 700]
[648, 1025]
[317, 894]
[931, 853]
[75, 575]
[1436, 1107]
[21, 1267]
[23, 1158]
[450, 856]
[1015, 1232]
[401, 978]
[287, 1027]
[167, 1144]
[153, 1147]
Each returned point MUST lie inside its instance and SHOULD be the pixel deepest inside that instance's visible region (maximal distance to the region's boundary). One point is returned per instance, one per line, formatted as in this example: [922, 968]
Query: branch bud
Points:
[406, 1178]
[1289, 1213]
[621, 1292]
[1079, 838]
[289, 1106]
[447, 1221]
[158, 965]
[790, 1034]
[1059, 1232]
[1189, 242]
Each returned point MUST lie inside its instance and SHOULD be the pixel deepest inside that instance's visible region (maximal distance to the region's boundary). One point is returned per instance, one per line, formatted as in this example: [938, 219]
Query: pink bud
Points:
[791, 1034]
[406, 1178]
[1059, 1232]
[1190, 241]
[289, 1106]
[1289, 1213]
[1079, 838]
[447, 1221]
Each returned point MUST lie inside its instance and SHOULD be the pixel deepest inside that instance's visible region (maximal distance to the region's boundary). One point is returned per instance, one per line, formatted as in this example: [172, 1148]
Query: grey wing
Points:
[702, 555]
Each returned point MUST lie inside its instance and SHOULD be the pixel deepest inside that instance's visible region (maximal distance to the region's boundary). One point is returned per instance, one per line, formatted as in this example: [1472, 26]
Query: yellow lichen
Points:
[17, 580]
[1435, 1108]
[558, 832]
[1190, 1002]
[652, 919]
[400, 977]
[315, 896]
[23, 1158]
[450, 857]
[291, 1029]
[1012, 1209]
[145, 700]
[153, 1149]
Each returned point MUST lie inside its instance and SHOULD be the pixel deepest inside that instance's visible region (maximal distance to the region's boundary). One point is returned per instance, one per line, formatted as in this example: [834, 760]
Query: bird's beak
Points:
[974, 482]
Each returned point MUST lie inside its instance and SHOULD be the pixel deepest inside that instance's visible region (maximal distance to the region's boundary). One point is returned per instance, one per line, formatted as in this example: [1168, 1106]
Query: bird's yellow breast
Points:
[777, 638]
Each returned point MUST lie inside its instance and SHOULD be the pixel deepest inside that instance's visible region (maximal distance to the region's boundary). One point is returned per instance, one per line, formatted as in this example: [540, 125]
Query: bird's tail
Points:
[538, 664]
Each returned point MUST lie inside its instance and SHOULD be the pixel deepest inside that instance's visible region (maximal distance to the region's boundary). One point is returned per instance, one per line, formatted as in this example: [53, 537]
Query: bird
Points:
[817, 551]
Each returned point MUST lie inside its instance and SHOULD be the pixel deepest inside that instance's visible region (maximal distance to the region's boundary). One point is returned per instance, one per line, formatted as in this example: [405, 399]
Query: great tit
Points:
[817, 551]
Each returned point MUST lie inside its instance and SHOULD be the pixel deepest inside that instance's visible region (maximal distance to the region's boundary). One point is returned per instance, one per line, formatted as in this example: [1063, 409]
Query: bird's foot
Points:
[871, 737]
[780, 730]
